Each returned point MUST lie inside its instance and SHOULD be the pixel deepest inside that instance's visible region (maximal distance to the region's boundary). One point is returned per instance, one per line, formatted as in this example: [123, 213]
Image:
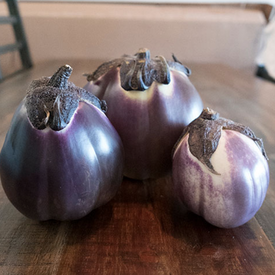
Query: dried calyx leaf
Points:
[139, 71]
[205, 132]
[53, 101]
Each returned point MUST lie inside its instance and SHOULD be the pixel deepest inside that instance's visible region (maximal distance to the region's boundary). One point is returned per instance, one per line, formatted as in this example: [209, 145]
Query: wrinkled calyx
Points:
[139, 71]
[53, 101]
[205, 132]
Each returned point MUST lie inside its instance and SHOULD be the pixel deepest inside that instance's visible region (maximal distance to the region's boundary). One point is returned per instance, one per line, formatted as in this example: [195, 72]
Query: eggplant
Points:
[61, 157]
[220, 170]
[149, 102]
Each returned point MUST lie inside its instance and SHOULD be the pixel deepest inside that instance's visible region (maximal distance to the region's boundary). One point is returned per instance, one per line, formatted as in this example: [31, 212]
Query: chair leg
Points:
[1, 75]
[20, 34]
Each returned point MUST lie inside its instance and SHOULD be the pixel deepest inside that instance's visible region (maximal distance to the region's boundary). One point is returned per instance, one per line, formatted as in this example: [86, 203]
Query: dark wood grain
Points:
[144, 230]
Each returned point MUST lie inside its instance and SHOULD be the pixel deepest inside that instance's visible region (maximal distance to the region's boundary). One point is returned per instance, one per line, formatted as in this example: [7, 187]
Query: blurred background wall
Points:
[227, 34]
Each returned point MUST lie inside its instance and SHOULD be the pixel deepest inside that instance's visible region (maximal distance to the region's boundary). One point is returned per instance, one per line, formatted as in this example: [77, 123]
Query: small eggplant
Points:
[61, 157]
[220, 170]
[149, 103]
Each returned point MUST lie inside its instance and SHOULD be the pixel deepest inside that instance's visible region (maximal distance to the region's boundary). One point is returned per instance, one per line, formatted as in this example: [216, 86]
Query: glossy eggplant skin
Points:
[61, 175]
[232, 197]
[149, 122]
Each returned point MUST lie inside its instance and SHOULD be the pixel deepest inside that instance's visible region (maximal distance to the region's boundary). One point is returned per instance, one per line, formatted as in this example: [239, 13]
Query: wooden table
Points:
[142, 231]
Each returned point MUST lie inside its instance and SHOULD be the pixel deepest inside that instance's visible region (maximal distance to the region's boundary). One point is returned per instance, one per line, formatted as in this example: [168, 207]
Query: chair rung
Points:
[10, 47]
[8, 20]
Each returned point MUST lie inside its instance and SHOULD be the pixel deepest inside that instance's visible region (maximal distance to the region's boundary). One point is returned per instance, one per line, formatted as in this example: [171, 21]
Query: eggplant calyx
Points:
[139, 71]
[205, 133]
[178, 66]
[53, 101]
[209, 114]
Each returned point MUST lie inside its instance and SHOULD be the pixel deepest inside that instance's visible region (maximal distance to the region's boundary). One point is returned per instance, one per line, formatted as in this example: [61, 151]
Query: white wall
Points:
[105, 31]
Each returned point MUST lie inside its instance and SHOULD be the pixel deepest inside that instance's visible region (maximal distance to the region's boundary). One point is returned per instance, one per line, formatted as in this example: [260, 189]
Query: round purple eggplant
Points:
[220, 170]
[149, 103]
[61, 158]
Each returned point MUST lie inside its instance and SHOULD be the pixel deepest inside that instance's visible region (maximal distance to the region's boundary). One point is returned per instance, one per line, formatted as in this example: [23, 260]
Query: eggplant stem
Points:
[143, 54]
[60, 78]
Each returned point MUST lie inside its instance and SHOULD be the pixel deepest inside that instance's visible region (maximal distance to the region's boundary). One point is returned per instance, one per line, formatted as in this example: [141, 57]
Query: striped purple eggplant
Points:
[149, 103]
[220, 170]
[61, 158]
